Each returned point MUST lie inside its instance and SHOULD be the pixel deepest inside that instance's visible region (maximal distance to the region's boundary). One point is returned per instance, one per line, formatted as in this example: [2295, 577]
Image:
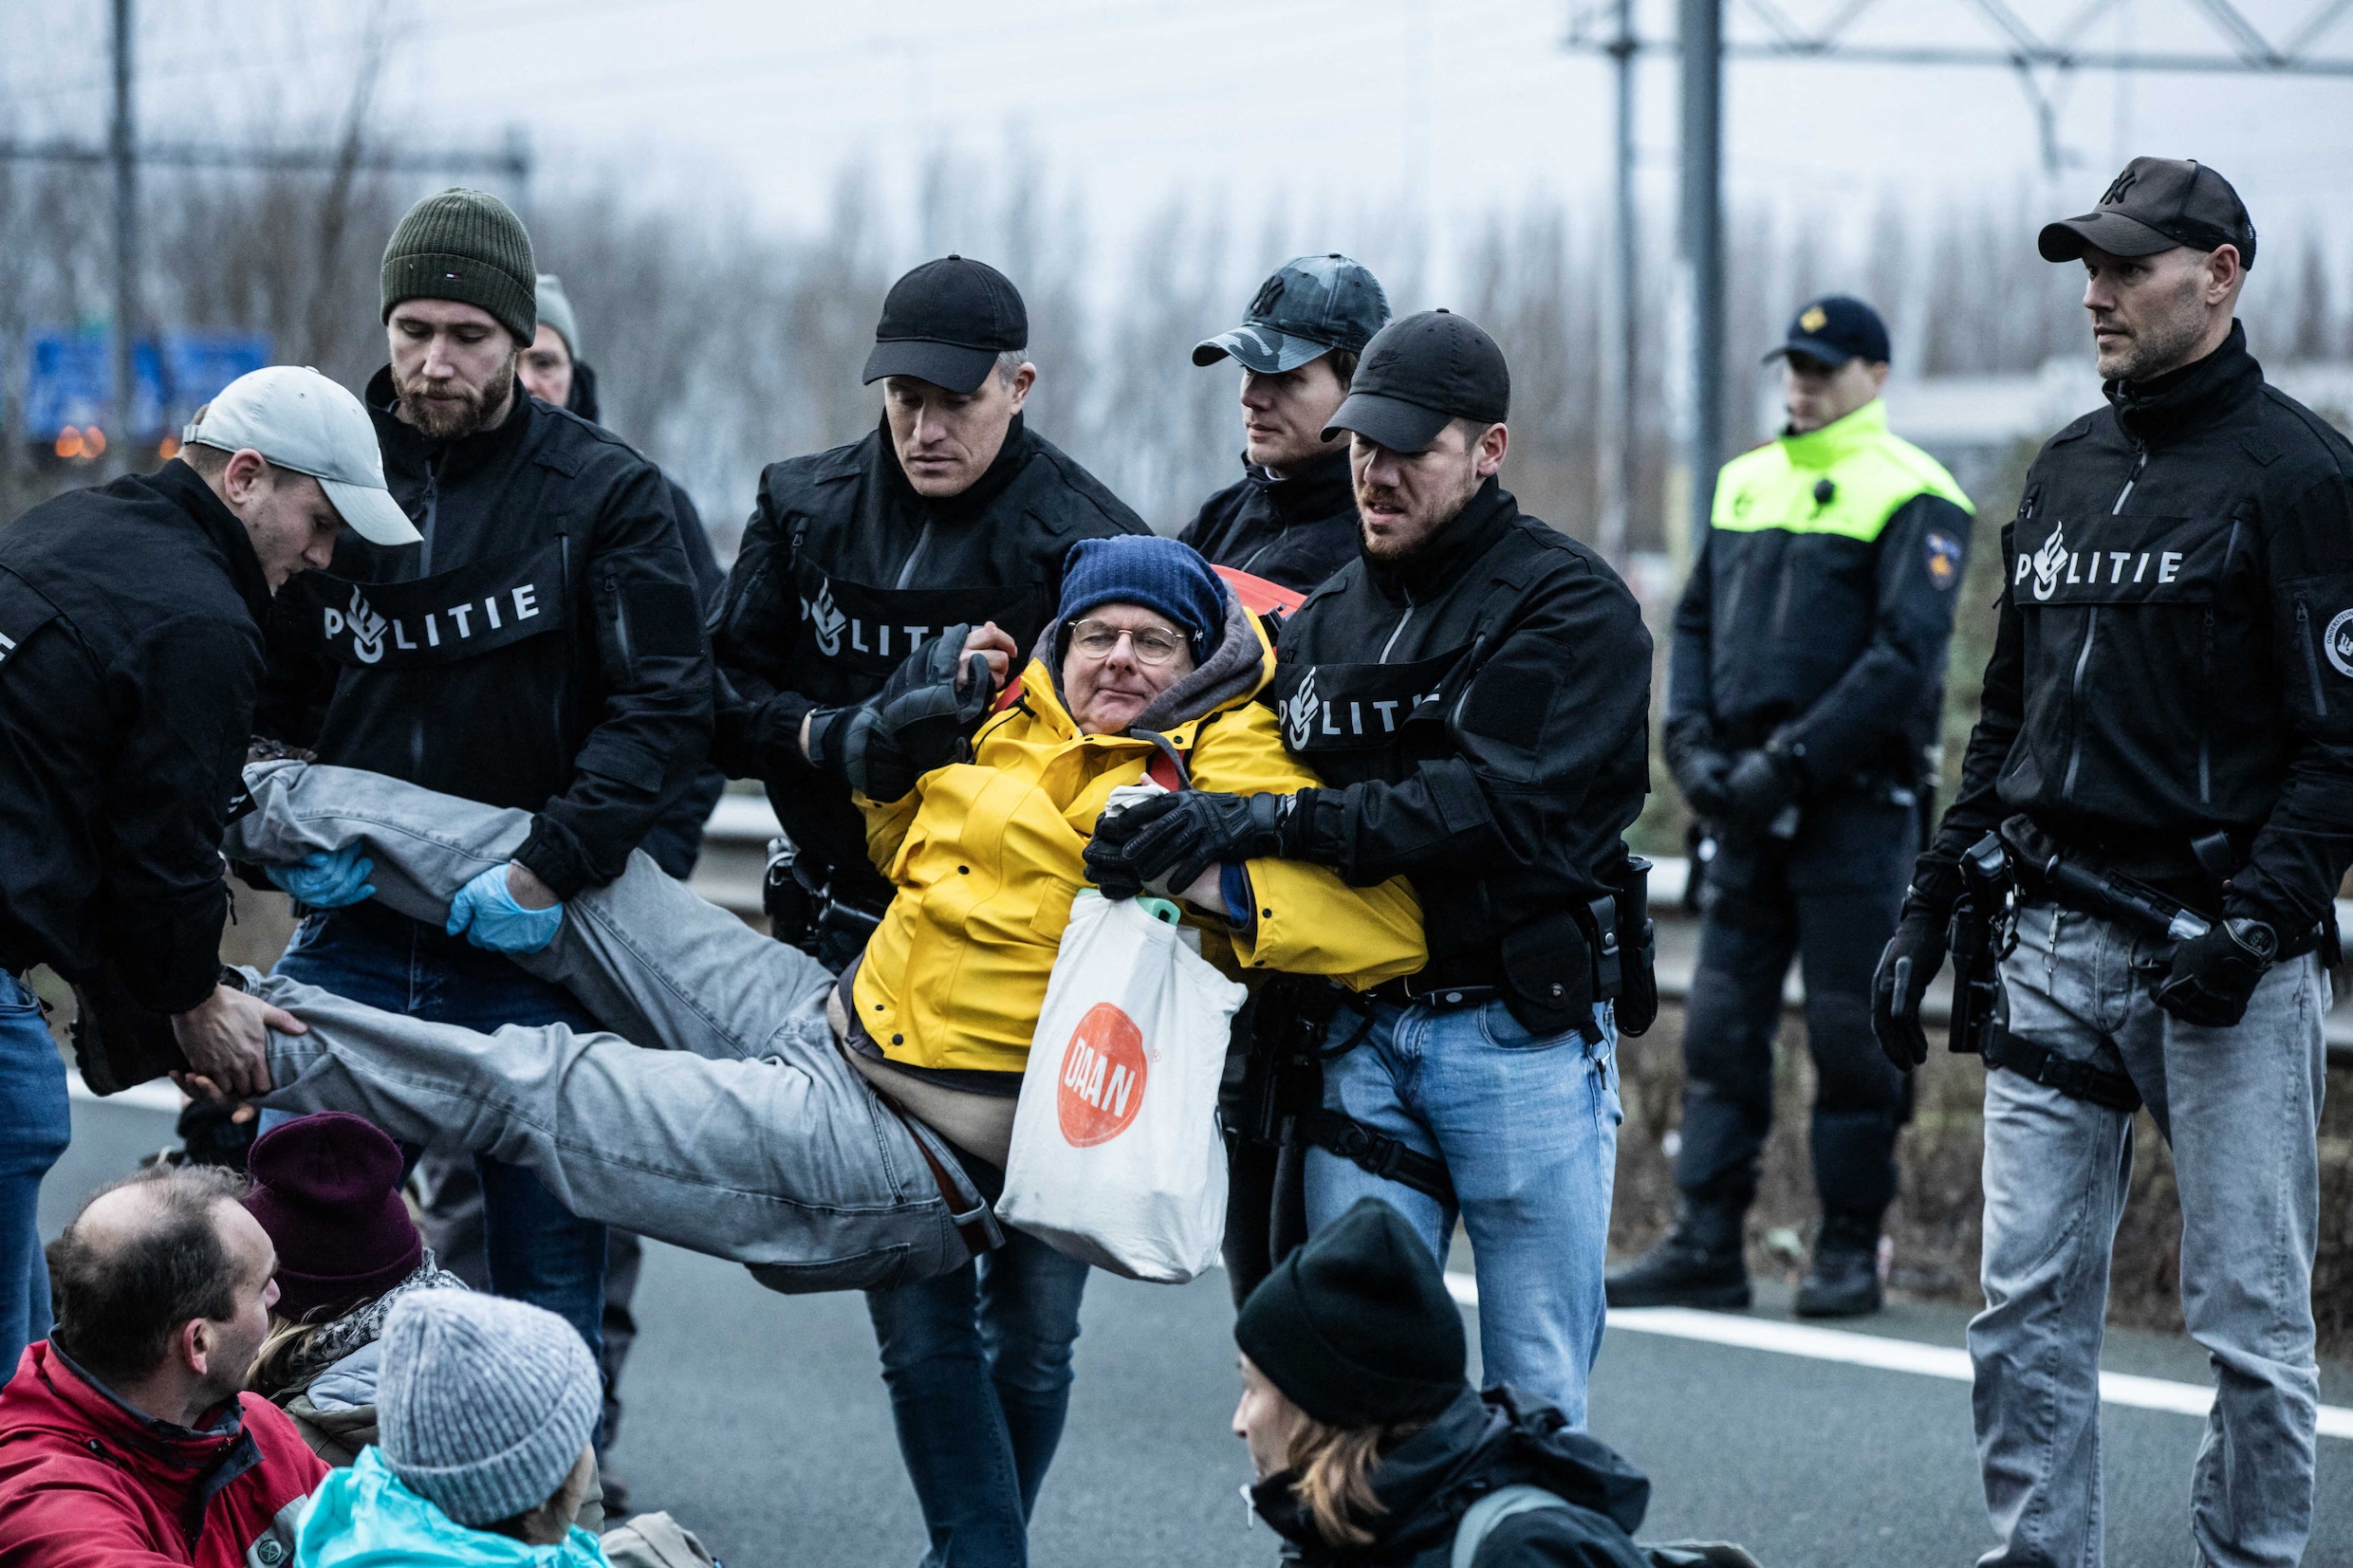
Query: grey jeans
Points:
[746, 1134]
[2240, 1108]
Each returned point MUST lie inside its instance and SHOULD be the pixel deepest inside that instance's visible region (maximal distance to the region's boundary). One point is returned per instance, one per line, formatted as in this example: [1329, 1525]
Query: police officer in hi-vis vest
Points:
[949, 513]
[1804, 687]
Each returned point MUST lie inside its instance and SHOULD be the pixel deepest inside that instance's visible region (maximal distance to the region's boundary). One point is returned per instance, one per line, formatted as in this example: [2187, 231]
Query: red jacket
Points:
[86, 1481]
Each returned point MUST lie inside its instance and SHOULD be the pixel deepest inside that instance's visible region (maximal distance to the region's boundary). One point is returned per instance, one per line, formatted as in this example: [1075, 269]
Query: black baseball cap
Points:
[946, 322]
[2155, 204]
[1419, 371]
[1834, 329]
[1312, 305]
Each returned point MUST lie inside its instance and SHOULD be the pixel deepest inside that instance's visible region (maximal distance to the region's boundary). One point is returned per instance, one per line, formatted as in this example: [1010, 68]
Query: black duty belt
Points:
[2075, 1079]
[1413, 989]
[1459, 980]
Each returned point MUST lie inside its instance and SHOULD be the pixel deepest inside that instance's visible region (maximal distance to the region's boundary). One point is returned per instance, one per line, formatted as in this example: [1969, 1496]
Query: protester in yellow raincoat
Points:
[1148, 647]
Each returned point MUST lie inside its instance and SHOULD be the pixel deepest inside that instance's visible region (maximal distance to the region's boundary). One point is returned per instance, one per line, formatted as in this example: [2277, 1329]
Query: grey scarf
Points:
[340, 1338]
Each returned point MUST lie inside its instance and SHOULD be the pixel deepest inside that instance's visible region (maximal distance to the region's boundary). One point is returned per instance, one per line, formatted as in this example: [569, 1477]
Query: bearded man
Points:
[541, 647]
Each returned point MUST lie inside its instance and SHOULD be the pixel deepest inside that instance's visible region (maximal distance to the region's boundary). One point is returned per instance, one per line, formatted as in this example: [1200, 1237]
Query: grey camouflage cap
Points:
[1311, 306]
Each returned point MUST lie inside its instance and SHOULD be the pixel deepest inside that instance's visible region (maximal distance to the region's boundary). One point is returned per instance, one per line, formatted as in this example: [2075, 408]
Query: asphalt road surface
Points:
[760, 1421]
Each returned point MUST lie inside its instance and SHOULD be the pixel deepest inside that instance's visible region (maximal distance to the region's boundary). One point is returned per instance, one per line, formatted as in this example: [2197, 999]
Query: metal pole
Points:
[121, 152]
[1618, 382]
[1702, 236]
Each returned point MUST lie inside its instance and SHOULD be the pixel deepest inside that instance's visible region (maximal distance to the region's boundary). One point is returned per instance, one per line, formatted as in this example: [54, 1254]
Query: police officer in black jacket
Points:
[1804, 704]
[553, 369]
[950, 513]
[540, 649]
[1476, 689]
[1290, 519]
[2166, 756]
[130, 651]
[1291, 516]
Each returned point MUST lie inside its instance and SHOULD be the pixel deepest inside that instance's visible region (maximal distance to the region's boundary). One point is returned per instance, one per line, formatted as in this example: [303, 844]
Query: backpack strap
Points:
[1492, 1510]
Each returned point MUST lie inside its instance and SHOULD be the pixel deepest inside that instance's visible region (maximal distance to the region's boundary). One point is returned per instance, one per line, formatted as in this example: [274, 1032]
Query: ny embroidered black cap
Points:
[1833, 331]
[1310, 306]
[2155, 204]
[1417, 373]
[946, 322]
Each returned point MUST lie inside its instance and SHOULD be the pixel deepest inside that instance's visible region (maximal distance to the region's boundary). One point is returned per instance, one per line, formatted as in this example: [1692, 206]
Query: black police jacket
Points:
[130, 651]
[1481, 711]
[1480, 1443]
[2174, 655]
[675, 840]
[542, 649]
[1296, 531]
[844, 570]
[1830, 647]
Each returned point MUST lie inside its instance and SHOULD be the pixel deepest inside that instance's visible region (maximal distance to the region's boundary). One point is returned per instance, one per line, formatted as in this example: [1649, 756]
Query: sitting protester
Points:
[1148, 649]
[804, 1174]
[123, 1438]
[327, 1188]
[483, 1459]
[1371, 1448]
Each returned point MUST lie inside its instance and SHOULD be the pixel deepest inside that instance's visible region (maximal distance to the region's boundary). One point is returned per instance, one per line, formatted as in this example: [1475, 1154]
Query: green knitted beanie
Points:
[466, 246]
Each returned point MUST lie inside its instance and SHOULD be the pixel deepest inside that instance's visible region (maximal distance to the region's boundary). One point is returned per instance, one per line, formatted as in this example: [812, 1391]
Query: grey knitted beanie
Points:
[483, 1404]
[466, 246]
[555, 309]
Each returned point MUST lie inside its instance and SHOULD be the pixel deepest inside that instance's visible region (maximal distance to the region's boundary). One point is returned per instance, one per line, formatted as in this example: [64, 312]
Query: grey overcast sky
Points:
[1442, 107]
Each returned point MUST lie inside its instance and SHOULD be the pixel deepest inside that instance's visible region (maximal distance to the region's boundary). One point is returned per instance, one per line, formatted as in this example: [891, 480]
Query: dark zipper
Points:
[620, 622]
[2311, 660]
[2206, 709]
[1781, 589]
[906, 569]
[2082, 656]
[2130, 480]
[433, 507]
[1402, 620]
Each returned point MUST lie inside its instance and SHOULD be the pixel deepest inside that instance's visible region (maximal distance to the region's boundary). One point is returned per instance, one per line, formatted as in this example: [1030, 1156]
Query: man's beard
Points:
[469, 415]
[2163, 343]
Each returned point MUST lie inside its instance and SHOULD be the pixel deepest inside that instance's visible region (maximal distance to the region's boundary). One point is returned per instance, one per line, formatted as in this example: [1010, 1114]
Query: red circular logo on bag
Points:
[1103, 1077]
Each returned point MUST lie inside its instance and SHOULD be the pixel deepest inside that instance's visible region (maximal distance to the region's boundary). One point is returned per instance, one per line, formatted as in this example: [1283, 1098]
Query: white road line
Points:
[1871, 1349]
[158, 1095]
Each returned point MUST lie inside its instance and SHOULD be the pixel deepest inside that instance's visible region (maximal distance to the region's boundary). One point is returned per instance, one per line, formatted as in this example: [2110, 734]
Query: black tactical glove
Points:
[1907, 964]
[918, 721]
[1760, 786]
[2214, 976]
[1171, 839]
[1700, 773]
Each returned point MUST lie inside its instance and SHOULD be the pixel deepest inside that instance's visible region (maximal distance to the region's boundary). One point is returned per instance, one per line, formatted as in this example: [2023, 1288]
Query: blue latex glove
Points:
[491, 918]
[328, 878]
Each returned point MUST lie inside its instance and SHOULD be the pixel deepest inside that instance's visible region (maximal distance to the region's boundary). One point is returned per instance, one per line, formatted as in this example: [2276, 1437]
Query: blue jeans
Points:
[978, 1365]
[539, 1251]
[35, 1122]
[1527, 1127]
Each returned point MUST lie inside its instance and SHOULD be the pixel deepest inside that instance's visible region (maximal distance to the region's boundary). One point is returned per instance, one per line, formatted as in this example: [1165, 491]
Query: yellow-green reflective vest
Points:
[1872, 471]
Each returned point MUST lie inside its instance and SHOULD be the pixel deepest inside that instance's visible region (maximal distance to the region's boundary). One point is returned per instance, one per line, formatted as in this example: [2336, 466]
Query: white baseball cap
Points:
[301, 420]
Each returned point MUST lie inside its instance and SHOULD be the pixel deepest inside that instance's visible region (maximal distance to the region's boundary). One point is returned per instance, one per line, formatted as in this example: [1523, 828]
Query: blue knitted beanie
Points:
[483, 1404]
[1159, 574]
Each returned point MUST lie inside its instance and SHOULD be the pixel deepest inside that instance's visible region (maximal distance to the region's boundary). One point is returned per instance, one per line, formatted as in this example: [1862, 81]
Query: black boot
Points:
[1843, 1281]
[1700, 1264]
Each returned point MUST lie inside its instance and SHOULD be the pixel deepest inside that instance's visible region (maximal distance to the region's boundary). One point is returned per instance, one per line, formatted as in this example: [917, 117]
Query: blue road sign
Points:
[72, 379]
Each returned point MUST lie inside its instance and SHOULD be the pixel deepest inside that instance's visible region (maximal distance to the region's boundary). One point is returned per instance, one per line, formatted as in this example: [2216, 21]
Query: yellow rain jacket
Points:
[985, 857]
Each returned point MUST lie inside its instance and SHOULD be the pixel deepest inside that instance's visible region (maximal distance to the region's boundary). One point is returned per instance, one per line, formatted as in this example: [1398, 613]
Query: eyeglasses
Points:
[1150, 644]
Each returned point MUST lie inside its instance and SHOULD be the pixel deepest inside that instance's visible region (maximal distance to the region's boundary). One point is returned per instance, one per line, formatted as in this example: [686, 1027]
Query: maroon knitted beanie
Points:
[328, 1190]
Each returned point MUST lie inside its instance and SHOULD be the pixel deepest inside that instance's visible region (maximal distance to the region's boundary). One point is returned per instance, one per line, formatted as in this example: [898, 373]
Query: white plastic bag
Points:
[1117, 1158]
